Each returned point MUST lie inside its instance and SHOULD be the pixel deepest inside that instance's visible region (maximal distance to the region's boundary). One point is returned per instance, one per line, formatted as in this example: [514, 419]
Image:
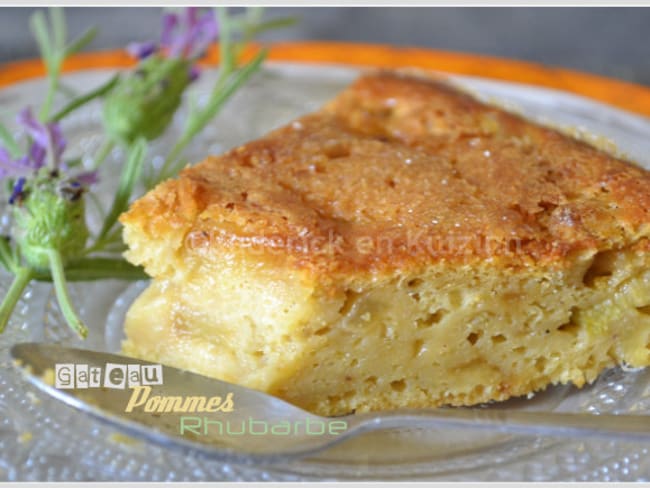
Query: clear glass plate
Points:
[41, 439]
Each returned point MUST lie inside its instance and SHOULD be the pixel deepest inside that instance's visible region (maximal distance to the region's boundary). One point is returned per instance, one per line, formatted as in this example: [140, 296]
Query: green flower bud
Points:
[144, 102]
[50, 216]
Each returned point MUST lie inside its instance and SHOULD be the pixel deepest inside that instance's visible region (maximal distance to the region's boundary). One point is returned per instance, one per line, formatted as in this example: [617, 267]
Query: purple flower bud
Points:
[47, 138]
[58, 141]
[87, 178]
[5, 160]
[206, 32]
[169, 21]
[189, 35]
[10, 168]
[185, 35]
[17, 190]
[141, 50]
[37, 131]
[194, 72]
[37, 156]
[46, 144]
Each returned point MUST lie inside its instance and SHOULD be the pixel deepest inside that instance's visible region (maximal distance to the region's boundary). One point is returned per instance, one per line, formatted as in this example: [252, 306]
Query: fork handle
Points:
[605, 426]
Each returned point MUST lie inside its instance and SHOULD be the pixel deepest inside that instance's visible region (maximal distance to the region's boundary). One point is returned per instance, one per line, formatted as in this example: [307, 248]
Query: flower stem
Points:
[61, 288]
[103, 152]
[128, 179]
[21, 280]
[52, 87]
[84, 99]
[224, 89]
[171, 158]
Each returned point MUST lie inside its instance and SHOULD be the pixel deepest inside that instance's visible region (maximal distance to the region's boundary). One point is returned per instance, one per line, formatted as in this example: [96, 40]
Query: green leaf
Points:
[82, 100]
[9, 142]
[105, 268]
[94, 199]
[219, 97]
[39, 30]
[226, 53]
[6, 255]
[94, 269]
[251, 24]
[51, 46]
[82, 41]
[128, 179]
[272, 24]
[254, 14]
[103, 152]
[59, 28]
[67, 90]
[21, 279]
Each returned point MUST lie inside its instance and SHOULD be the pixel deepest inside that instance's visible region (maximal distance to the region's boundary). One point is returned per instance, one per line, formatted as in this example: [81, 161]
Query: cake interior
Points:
[449, 335]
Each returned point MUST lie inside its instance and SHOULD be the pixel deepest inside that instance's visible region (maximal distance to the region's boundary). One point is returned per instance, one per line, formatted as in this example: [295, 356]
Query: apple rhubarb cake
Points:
[405, 246]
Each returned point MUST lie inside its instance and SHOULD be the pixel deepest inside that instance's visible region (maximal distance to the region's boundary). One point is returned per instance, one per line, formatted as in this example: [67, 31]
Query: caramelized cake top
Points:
[399, 172]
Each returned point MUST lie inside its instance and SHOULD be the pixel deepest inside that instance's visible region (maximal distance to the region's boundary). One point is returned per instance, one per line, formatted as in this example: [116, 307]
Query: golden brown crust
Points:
[400, 172]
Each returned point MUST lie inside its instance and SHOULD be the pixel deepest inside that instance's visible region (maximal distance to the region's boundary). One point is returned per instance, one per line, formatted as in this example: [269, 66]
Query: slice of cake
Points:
[405, 246]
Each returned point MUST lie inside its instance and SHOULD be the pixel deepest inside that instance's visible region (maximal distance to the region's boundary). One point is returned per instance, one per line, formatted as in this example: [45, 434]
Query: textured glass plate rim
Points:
[632, 123]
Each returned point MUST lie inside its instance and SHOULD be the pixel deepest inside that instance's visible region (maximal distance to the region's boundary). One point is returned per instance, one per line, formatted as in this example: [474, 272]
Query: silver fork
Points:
[263, 428]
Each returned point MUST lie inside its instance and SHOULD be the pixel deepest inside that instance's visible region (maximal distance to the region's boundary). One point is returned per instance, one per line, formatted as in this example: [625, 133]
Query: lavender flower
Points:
[143, 103]
[48, 207]
[47, 138]
[189, 35]
[46, 147]
[185, 35]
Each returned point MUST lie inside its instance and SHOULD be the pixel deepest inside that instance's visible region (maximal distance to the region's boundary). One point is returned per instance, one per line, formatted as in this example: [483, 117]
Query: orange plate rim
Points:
[622, 94]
